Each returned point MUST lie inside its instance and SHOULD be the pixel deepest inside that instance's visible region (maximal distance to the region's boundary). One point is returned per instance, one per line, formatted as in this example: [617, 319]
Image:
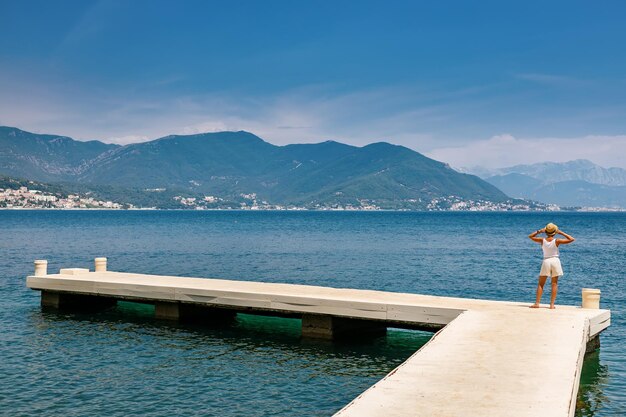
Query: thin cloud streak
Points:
[93, 21]
[308, 114]
[411, 117]
[554, 80]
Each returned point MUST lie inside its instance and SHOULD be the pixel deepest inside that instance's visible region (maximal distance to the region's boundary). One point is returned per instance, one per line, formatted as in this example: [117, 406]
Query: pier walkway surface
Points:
[490, 358]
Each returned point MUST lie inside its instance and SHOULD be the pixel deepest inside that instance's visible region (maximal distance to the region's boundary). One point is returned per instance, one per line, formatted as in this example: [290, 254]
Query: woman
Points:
[551, 265]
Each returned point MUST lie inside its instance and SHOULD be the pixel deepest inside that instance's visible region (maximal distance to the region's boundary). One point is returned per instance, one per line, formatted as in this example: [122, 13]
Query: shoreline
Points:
[590, 210]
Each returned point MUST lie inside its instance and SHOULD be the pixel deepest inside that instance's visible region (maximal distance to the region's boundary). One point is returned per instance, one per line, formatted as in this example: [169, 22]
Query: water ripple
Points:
[123, 362]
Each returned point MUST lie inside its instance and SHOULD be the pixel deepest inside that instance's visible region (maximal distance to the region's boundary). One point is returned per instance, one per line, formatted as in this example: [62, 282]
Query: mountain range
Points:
[229, 164]
[575, 183]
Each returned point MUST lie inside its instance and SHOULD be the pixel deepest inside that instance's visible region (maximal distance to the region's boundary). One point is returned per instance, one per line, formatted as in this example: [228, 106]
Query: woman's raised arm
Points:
[533, 236]
[568, 238]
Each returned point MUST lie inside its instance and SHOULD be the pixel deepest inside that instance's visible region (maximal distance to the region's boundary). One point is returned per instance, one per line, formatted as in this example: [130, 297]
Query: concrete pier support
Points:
[318, 326]
[79, 302]
[593, 344]
[167, 311]
[192, 313]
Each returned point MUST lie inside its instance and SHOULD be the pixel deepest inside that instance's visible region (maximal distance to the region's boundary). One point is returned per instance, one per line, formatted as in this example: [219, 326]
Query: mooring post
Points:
[41, 267]
[591, 298]
[100, 264]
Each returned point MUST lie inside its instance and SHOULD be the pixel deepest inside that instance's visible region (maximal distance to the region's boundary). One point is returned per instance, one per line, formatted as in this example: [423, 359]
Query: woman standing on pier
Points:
[551, 265]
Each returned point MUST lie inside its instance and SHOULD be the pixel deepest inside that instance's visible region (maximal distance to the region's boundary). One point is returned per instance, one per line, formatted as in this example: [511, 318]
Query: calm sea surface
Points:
[124, 363]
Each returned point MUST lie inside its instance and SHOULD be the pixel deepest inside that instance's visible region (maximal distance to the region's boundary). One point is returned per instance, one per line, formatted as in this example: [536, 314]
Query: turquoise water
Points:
[123, 362]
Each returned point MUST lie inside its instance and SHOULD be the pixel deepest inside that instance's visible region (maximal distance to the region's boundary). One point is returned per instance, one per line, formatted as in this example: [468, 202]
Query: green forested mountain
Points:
[227, 164]
[46, 157]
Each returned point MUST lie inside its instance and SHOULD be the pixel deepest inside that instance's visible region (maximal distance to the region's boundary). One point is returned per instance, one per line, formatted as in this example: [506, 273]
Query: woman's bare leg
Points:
[555, 289]
[540, 284]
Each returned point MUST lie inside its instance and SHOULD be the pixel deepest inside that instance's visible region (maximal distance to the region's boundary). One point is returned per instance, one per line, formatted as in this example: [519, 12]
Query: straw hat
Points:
[551, 229]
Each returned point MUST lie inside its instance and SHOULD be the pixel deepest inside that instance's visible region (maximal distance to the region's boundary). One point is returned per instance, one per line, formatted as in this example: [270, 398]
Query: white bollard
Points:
[100, 264]
[41, 267]
[591, 298]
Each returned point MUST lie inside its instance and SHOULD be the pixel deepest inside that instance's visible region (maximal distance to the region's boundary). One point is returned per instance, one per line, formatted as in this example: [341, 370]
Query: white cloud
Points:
[506, 150]
[204, 127]
[123, 140]
[401, 115]
[298, 116]
[310, 113]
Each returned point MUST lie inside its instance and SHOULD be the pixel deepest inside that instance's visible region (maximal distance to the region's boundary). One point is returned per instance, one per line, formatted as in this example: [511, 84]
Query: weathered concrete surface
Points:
[492, 359]
[410, 309]
[514, 363]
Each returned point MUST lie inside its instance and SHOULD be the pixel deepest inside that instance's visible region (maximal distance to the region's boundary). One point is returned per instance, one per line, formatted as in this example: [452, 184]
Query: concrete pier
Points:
[488, 358]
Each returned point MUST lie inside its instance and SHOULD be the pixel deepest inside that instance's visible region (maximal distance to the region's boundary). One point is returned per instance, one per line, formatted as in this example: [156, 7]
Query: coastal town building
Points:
[25, 198]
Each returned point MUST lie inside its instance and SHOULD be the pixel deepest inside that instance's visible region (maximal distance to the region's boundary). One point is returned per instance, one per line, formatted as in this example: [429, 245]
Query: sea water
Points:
[123, 362]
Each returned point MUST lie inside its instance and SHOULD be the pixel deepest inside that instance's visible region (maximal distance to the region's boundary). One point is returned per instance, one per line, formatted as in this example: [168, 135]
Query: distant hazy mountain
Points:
[516, 185]
[574, 183]
[582, 193]
[549, 172]
[563, 193]
[231, 163]
[578, 170]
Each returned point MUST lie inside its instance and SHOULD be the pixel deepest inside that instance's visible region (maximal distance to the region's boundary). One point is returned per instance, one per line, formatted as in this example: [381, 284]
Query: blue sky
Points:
[472, 83]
